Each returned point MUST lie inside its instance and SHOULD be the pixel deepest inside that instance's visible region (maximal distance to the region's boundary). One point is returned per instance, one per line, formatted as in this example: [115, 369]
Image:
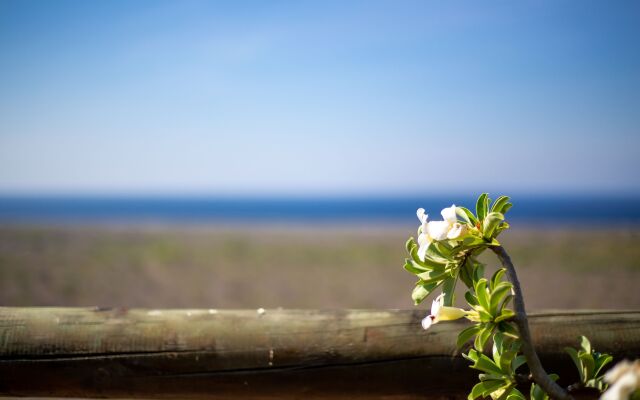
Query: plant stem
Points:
[537, 371]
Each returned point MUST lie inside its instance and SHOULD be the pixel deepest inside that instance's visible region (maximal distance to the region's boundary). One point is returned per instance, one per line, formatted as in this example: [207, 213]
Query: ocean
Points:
[587, 210]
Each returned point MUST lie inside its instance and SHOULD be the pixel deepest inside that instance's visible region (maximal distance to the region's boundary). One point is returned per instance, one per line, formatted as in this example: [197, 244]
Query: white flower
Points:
[424, 240]
[439, 312]
[624, 379]
[450, 228]
[431, 231]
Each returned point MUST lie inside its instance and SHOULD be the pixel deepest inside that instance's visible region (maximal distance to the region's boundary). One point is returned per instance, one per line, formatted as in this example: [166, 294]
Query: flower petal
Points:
[427, 322]
[436, 304]
[421, 215]
[422, 251]
[449, 214]
[450, 313]
[424, 238]
[622, 388]
[456, 231]
[438, 229]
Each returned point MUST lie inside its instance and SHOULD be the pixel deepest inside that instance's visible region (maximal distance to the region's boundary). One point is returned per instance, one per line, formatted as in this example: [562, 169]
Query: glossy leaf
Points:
[497, 278]
[585, 344]
[485, 388]
[482, 337]
[515, 394]
[413, 267]
[498, 295]
[448, 288]
[466, 335]
[432, 276]
[409, 244]
[481, 206]
[603, 360]
[577, 361]
[421, 291]
[499, 204]
[471, 299]
[481, 293]
[505, 315]
[491, 222]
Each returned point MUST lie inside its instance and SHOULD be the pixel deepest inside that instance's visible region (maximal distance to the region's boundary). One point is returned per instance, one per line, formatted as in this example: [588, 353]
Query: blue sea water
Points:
[587, 210]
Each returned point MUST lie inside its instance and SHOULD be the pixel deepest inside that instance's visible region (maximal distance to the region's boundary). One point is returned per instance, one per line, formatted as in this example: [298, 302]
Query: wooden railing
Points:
[266, 354]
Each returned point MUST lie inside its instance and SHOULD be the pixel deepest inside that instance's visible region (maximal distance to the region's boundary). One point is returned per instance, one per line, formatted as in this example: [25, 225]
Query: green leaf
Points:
[536, 393]
[506, 208]
[482, 337]
[585, 344]
[504, 225]
[506, 314]
[465, 274]
[476, 392]
[448, 288]
[485, 364]
[588, 363]
[491, 222]
[506, 301]
[470, 298]
[429, 260]
[497, 348]
[478, 272]
[497, 278]
[577, 361]
[413, 267]
[466, 335]
[487, 203]
[409, 244]
[468, 215]
[518, 362]
[481, 293]
[484, 315]
[472, 355]
[515, 394]
[502, 290]
[432, 276]
[436, 256]
[506, 359]
[481, 206]
[442, 249]
[472, 241]
[508, 329]
[486, 388]
[499, 204]
[421, 291]
[603, 360]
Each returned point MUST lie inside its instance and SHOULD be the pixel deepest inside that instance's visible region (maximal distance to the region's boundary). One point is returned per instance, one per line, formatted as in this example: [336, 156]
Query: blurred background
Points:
[272, 154]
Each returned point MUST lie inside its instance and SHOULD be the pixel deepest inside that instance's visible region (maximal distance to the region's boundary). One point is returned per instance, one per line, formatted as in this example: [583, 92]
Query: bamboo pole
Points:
[216, 354]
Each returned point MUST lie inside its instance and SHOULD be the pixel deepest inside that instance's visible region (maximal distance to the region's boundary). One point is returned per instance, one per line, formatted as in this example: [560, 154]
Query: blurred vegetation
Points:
[241, 267]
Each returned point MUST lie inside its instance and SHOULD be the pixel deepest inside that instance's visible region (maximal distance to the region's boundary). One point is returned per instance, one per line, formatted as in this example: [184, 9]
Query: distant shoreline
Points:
[375, 211]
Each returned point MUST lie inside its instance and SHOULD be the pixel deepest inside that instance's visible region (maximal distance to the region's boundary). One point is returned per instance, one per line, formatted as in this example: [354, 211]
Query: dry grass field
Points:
[332, 267]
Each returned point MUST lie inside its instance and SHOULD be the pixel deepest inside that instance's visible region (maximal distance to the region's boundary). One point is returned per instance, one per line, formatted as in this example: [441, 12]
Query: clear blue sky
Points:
[323, 97]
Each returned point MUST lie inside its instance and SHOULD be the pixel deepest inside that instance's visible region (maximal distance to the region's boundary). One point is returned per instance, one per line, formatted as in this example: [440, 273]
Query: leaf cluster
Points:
[489, 300]
[498, 372]
[438, 268]
[589, 363]
[446, 261]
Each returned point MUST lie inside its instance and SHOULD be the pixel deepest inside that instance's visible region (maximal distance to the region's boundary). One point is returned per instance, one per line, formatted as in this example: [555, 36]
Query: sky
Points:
[319, 97]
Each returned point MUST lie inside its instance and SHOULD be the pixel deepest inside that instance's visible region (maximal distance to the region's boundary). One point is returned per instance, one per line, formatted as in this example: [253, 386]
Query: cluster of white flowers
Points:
[431, 231]
[624, 379]
[439, 312]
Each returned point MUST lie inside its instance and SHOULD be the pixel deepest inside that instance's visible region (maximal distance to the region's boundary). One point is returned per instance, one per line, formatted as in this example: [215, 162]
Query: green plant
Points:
[445, 253]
